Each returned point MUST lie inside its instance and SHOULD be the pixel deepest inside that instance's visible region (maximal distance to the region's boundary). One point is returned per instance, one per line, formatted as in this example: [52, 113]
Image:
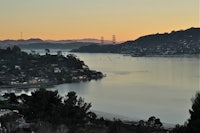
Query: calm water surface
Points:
[139, 87]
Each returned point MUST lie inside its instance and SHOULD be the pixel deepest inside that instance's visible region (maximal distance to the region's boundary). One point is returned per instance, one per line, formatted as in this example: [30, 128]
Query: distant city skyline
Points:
[65, 20]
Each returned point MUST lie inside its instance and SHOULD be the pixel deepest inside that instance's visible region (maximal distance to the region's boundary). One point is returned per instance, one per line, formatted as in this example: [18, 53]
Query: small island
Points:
[19, 69]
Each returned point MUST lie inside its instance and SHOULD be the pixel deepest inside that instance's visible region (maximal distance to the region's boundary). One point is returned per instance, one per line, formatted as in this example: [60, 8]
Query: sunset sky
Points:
[75, 19]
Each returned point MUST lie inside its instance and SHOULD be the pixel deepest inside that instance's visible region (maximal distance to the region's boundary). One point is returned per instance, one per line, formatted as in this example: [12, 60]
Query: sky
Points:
[76, 19]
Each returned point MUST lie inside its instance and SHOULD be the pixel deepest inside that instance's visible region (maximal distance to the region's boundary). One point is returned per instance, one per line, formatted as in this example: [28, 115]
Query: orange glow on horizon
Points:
[66, 20]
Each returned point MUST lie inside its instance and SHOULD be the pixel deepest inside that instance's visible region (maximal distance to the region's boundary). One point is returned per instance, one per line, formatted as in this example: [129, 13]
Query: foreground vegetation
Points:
[193, 123]
[46, 111]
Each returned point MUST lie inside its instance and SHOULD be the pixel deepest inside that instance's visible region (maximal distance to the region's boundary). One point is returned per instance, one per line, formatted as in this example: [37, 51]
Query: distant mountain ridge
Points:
[21, 41]
[174, 43]
[36, 43]
[89, 40]
[51, 45]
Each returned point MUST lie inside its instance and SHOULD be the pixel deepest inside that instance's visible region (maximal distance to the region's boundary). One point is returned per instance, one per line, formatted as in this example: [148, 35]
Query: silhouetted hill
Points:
[45, 45]
[88, 40]
[36, 43]
[174, 43]
[21, 41]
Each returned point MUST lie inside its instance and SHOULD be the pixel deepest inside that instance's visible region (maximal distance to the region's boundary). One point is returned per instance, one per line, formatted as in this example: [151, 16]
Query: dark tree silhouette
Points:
[49, 106]
[158, 123]
[75, 110]
[47, 51]
[43, 105]
[194, 121]
[16, 49]
[12, 98]
[154, 122]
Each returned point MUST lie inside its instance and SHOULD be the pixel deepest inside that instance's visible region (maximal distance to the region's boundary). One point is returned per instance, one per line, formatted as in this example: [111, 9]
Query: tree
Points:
[12, 98]
[154, 122]
[158, 123]
[179, 129]
[16, 49]
[23, 98]
[73, 61]
[151, 121]
[49, 106]
[71, 99]
[43, 105]
[194, 121]
[195, 111]
[47, 51]
[75, 110]
[8, 49]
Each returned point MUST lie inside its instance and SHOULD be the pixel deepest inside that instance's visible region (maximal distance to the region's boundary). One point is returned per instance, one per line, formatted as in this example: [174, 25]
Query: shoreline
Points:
[175, 56]
[42, 85]
[28, 86]
[125, 119]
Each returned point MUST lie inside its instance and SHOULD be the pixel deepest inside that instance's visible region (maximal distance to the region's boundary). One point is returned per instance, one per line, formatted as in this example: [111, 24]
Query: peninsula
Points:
[19, 69]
